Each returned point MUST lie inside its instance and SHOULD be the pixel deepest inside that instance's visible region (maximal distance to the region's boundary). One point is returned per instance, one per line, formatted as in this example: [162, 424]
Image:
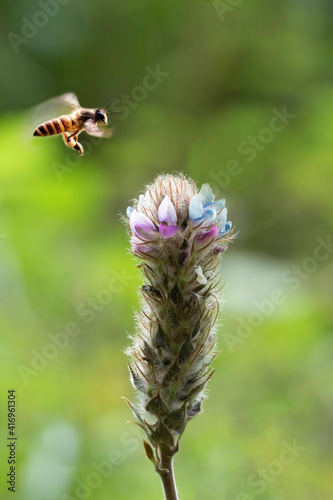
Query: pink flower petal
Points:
[167, 231]
[167, 212]
[142, 226]
[204, 237]
[141, 249]
[144, 232]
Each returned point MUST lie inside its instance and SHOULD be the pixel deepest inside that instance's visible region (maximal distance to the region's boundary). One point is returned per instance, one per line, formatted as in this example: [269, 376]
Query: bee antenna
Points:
[108, 104]
[114, 113]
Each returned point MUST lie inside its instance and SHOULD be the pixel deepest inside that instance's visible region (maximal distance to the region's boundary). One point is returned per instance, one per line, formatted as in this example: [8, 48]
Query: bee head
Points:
[101, 116]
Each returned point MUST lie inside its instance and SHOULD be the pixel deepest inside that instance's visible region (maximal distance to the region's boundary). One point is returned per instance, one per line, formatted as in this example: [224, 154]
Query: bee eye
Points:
[100, 116]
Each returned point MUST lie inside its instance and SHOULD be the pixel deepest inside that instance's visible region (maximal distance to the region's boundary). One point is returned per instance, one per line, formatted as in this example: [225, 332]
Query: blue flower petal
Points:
[196, 207]
[206, 194]
[218, 205]
[129, 210]
[222, 217]
[210, 213]
[198, 221]
[226, 228]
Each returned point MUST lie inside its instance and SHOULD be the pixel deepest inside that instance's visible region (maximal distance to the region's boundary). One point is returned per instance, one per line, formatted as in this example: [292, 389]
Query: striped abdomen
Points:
[56, 126]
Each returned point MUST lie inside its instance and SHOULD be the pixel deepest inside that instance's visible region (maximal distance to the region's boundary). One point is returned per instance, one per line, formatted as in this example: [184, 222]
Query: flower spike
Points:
[180, 235]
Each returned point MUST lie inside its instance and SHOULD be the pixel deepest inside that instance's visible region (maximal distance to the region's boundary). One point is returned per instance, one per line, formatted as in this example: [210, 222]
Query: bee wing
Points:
[93, 130]
[53, 108]
[69, 99]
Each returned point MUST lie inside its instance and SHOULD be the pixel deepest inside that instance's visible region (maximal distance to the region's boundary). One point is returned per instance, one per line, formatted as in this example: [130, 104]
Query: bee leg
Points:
[73, 135]
[78, 147]
[71, 142]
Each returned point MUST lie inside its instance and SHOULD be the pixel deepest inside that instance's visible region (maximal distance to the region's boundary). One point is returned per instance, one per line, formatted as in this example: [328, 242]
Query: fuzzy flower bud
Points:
[180, 235]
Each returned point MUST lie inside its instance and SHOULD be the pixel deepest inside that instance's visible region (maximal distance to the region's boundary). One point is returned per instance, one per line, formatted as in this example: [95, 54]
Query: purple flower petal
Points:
[204, 237]
[167, 212]
[137, 248]
[167, 231]
[144, 232]
[218, 250]
[141, 226]
[138, 218]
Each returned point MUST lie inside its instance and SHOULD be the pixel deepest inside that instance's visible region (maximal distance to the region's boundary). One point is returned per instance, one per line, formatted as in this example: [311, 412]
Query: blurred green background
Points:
[227, 71]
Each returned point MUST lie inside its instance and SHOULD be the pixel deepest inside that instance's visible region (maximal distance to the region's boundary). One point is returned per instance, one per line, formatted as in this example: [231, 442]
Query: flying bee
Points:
[71, 125]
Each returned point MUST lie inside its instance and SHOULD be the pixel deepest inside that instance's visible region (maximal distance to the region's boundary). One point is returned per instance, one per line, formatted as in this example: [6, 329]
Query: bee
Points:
[71, 125]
